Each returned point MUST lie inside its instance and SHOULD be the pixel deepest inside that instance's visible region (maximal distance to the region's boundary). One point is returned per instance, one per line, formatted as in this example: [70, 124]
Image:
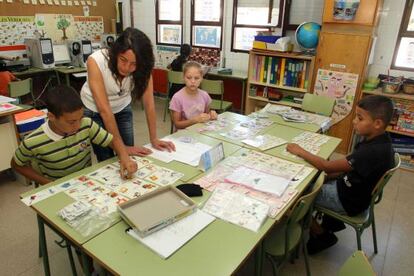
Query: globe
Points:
[307, 35]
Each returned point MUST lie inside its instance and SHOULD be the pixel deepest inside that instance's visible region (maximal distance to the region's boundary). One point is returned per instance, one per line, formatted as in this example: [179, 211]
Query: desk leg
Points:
[86, 264]
[258, 266]
[43, 245]
[57, 76]
[243, 96]
[72, 263]
[67, 77]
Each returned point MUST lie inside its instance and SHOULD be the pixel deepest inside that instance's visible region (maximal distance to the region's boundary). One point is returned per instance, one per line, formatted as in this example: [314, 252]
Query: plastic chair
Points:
[173, 77]
[216, 87]
[365, 219]
[17, 89]
[318, 104]
[357, 264]
[287, 237]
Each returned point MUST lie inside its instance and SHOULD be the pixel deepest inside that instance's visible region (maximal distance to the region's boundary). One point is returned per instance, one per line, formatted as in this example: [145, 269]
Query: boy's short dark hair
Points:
[379, 107]
[185, 50]
[63, 99]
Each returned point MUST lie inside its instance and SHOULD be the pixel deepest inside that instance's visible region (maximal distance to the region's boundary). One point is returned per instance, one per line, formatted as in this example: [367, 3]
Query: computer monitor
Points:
[61, 53]
[86, 47]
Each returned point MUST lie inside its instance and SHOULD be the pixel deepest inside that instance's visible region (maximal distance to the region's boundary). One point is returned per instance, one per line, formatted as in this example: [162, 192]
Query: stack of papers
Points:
[169, 239]
[265, 142]
[187, 151]
[237, 208]
[74, 212]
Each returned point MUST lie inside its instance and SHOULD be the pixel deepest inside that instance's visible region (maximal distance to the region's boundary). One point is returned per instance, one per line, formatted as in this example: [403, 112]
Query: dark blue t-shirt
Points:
[369, 161]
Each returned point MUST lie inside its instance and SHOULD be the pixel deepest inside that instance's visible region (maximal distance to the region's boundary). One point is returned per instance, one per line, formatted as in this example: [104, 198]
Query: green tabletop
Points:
[66, 70]
[237, 75]
[219, 249]
[48, 208]
[303, 126]
[33, 71]
[189, 171]
[288, 133]
[237, 118]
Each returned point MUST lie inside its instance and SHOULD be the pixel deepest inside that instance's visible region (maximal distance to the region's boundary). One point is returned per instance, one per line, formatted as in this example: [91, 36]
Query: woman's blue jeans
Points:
[124, 122]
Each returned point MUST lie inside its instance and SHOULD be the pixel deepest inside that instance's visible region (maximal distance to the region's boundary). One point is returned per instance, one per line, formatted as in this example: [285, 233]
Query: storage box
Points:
[266, 38]
[30, 125]
[157, 209]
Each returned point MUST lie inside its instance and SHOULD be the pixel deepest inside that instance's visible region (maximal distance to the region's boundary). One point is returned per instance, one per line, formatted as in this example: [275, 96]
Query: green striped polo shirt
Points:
[56, 156]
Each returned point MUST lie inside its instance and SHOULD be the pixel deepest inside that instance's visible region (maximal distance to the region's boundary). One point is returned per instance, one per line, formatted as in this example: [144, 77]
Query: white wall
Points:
[389, 24]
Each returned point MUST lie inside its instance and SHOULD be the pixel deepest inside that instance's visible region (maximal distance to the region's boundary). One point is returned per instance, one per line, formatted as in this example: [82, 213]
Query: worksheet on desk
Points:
[187, 150]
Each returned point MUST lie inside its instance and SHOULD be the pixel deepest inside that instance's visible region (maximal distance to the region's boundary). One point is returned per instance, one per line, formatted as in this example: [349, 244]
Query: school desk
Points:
[231, 83]
[303, 126]
[66, 72]
[219, 249]
[47, 209]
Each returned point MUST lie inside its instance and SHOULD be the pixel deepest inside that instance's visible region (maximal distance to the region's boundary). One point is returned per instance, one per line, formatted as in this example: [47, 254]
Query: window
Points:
[250, 16]
[404, 50]
[169, 20]
[207, 23]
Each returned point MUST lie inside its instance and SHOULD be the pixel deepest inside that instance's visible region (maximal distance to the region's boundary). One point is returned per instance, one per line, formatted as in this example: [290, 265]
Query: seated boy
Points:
[62, 145]
[357, 174]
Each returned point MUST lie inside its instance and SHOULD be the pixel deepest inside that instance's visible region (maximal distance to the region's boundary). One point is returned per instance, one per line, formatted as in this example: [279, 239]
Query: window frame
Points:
[159, 22]
[194, 23]
[281, 22]
[402, 33]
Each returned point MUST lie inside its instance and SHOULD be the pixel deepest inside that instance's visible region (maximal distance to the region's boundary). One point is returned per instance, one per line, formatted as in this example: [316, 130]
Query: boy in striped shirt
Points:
[62, 145]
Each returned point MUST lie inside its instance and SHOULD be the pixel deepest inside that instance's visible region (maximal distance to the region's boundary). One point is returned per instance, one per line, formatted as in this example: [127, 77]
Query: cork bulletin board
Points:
[103, 8]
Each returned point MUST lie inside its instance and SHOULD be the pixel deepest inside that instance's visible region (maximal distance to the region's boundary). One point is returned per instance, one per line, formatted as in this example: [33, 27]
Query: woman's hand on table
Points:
[163, 145]
[127, 168]
[138, 150]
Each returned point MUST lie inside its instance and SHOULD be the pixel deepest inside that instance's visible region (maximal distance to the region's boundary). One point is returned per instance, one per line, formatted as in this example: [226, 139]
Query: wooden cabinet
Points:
[274, 73]
[345, 46]
[366, 13]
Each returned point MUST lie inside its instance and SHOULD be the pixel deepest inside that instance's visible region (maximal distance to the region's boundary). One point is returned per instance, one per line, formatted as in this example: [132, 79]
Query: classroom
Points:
[206, 137]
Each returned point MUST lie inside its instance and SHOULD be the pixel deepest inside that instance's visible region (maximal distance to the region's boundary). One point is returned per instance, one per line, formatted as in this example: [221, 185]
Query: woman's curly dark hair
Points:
[135, 40]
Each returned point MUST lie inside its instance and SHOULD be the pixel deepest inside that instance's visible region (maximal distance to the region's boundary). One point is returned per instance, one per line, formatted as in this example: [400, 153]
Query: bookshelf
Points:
[402, 125]
[273, 73]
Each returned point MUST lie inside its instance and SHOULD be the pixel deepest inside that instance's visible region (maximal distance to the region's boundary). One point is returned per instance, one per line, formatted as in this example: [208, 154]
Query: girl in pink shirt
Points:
[190, 105]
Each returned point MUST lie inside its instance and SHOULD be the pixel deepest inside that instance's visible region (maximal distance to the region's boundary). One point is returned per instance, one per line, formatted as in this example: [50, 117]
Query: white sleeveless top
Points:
[119, 96]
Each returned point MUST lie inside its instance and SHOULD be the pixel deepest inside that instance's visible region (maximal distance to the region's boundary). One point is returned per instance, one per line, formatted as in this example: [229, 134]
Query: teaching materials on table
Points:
[4, 107]
[4, 99]
[302, 174]
[169, 239]
[236, 208]
[264, 142]
[211, 157]
[219, 124]
[310, 141]
[264, 182]
[187, 151]
[238, 133]
[156, 209]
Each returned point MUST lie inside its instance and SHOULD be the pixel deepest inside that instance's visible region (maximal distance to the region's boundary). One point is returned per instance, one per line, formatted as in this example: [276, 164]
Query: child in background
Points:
[62, 145]
[190, 105]
[354, 177]
[177, 65]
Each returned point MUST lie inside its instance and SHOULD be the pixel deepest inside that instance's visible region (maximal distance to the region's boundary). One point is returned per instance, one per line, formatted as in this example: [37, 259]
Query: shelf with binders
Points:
[277, 77]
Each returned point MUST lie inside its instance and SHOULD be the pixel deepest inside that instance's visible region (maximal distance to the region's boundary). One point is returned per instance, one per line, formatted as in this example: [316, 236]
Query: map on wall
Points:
[340, 86]
[13, 29]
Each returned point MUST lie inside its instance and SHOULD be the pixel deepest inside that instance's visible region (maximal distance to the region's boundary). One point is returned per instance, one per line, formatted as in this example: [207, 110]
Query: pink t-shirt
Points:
[190, 105]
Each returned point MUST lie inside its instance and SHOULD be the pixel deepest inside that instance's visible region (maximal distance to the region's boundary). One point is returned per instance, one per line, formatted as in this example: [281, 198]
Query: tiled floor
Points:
[394, 216]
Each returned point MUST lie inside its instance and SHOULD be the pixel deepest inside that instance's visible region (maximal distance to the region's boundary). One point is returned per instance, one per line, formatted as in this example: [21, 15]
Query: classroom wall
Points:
[389, 25]
[144, 19]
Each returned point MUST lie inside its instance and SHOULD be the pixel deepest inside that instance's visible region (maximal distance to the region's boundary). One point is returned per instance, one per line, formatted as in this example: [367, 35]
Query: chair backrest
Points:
[175, 77]
[377, 191]
[318, 104]
[20, 88]
[357, 264]
[213, 87]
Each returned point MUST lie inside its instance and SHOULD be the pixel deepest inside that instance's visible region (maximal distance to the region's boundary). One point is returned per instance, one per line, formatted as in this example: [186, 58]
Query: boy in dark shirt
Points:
[357, 174]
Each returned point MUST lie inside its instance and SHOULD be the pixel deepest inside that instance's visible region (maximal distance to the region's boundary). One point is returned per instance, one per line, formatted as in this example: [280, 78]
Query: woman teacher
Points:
[115, 77]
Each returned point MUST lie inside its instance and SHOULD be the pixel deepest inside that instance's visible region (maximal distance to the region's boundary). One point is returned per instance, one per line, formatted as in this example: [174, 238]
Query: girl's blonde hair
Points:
[192, 64]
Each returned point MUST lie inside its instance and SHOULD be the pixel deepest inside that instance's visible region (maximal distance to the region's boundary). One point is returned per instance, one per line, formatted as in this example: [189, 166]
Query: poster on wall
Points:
[165, 55]
[170, 34]
[207, 36]
[89, 27]
[57, 27]
[13, 29]
[340, 86]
